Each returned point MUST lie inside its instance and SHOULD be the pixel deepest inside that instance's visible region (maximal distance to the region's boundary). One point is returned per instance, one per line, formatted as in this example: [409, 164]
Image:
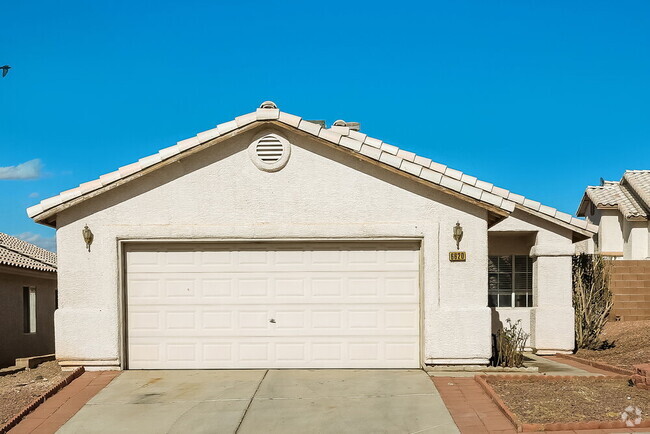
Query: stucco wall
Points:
[14, 343]
[635, 236]
[616, 235]
[322, 193]
[610, 231]
[550, 321]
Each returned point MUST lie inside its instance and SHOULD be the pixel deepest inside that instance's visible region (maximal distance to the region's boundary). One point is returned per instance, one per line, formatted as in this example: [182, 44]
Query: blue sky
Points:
[539, 97]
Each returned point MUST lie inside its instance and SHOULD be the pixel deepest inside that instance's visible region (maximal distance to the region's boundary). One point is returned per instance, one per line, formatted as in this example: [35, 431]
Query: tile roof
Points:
[18, 253]
[631, 196]
[639, 182]
[350, 139]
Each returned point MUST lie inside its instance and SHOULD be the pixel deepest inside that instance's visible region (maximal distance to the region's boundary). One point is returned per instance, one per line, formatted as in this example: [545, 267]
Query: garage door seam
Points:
[251, 401]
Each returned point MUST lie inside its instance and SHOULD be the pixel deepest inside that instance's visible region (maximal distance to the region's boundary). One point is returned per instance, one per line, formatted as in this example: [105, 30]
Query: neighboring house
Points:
[273, 242]
[28, 291]
[621, 210]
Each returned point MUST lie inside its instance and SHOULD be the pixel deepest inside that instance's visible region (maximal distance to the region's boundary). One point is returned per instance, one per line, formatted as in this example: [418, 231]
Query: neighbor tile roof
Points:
[344, 137]
[18, 253]
[631, 196]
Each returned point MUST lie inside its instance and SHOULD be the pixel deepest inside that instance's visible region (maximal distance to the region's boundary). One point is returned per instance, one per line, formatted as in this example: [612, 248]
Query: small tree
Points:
[592, 299]
[509, 345]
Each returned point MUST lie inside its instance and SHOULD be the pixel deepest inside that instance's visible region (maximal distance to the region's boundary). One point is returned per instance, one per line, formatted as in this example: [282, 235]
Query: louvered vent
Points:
[269, 149]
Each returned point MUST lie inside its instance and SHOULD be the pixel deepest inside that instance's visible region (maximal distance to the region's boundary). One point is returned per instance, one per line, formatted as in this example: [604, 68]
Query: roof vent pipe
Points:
[268, 105]
[353, 126]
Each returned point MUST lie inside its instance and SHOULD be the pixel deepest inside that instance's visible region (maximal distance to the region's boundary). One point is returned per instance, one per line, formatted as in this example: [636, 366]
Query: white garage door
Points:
[267, 305]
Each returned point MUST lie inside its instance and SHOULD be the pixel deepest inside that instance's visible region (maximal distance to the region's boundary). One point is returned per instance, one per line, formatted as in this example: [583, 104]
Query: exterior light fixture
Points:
[458, 234]
[88, 236]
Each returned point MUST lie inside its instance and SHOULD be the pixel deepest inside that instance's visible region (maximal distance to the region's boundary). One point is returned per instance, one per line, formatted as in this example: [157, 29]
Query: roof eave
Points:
[582, 208]
[25, 271]
[498, 214]
[579, 234]
[48, 217]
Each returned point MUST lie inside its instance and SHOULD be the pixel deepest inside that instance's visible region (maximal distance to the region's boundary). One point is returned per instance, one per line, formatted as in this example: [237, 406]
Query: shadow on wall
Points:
[498, 320]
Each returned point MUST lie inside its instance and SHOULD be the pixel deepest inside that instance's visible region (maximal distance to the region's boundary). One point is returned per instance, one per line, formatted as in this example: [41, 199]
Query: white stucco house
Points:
[271, 241]
[621, 211]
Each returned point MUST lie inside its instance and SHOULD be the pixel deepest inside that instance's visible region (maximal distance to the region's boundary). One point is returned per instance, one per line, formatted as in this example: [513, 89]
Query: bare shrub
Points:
[509, 345]
[592, 299]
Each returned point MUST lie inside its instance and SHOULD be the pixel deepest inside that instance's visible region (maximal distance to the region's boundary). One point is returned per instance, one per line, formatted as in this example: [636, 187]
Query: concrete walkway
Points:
[274, 401]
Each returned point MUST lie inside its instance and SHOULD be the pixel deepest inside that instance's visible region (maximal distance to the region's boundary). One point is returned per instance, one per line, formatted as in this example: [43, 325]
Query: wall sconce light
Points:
[88, 236]
[458, 234]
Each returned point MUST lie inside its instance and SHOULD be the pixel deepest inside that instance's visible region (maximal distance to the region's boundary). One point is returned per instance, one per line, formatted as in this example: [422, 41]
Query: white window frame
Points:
[513, 290]
[29, 309]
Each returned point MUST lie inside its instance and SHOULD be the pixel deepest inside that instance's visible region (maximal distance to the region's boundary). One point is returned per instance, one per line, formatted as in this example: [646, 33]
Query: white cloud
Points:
[34, 195]
[48, 243]
[28, 170]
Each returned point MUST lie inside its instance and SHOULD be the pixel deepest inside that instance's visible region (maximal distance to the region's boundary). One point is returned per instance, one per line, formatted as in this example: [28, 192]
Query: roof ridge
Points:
[406, 161]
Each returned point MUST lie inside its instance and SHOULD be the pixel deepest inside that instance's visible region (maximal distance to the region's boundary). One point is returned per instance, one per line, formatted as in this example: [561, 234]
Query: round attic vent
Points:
[269, 152]
[269, 149]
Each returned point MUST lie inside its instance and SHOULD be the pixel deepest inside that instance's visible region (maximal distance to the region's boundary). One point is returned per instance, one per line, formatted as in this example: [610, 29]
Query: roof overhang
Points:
[499, 203]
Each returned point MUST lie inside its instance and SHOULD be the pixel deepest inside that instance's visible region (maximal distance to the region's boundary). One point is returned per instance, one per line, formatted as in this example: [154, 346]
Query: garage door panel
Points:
[265, 306]
[252, 320]
[288, 352]
[245, 261]
[355, 287]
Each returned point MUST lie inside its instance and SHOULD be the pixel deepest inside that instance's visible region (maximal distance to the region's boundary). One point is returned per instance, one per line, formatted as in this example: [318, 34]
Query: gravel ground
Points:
[574, 400]
[20, 389]
[632, 344]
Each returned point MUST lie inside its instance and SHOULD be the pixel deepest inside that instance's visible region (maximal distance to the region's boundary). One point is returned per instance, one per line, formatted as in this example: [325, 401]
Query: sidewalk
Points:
[57, 410]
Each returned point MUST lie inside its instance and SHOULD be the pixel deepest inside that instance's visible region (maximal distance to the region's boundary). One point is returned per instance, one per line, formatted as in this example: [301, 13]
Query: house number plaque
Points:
[457, 256]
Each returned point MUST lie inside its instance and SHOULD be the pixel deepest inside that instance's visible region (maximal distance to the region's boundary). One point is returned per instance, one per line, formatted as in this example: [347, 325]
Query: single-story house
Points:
[28, 300]
[621, 210]
[272, 241]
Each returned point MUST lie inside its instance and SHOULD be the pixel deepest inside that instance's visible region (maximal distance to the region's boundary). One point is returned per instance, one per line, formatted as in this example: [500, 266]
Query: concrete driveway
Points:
[259, 401]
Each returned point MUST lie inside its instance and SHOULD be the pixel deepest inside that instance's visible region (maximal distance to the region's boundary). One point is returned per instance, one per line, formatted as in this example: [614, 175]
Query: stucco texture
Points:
[14, 342]
[321, 194]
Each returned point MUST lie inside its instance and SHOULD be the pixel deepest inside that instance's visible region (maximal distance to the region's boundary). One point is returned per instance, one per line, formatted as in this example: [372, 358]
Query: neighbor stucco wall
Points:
[626, 239]
[14, 343]
[550, 321]
[635, 236]
[322, 193]
[610, 231]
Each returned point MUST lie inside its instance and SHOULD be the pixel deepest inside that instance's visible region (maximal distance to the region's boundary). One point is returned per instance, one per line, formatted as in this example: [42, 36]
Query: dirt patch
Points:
[632, 344]
[570, 400]
[20, 389]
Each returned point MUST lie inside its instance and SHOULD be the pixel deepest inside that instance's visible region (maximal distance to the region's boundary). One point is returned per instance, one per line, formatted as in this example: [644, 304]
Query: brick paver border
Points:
[48, 417]
[38, 401]
[472, 410]
[595, 364]
[525, 427]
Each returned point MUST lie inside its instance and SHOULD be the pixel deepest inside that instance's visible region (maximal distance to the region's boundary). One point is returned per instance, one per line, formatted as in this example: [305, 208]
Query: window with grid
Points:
[510, 281]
